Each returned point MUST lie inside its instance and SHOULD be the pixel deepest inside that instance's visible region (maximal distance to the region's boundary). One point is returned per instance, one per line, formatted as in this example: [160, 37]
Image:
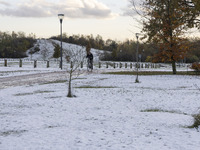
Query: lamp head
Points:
[137, 35]
[61, 16]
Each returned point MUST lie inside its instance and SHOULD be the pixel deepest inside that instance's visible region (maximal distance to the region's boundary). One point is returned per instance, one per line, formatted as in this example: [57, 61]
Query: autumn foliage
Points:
[165, 23]
[168, 53]
[196, 66]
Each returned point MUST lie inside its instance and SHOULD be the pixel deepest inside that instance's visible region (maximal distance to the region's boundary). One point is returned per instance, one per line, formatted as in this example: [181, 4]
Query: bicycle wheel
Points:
[89, 66]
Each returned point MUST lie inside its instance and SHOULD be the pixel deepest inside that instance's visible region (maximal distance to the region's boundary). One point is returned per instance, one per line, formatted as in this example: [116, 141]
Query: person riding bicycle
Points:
[90, 58]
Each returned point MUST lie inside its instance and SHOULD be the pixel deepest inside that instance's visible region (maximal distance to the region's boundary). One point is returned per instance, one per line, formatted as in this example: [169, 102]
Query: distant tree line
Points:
[126, 50]
[15, 45]
[95, 42]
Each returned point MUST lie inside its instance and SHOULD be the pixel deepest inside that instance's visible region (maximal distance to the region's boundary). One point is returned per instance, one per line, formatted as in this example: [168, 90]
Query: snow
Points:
[47, 50]
[113, 114]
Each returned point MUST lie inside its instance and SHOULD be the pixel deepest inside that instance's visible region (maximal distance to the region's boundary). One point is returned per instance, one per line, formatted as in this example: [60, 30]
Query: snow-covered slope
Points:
[46, 52]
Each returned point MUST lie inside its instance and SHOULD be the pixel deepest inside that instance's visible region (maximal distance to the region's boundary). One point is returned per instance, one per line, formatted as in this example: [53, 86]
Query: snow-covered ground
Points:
[110, 112]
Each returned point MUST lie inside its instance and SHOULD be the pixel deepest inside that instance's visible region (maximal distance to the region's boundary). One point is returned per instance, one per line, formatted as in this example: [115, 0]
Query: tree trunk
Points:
[70, 87]
[174, 67]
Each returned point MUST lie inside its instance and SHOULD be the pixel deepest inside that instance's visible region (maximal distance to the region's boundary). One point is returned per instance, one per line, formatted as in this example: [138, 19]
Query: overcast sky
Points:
[103, 17]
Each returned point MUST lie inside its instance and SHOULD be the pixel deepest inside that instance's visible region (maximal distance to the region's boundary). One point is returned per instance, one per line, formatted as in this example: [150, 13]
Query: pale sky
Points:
[103, 17]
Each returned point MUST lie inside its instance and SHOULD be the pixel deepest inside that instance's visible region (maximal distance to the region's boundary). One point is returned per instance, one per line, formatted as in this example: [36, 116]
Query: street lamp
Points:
[137, 36]
[61, 16]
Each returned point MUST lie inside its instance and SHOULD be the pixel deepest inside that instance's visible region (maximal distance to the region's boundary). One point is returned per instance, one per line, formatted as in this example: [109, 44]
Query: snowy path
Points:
[30, 79]
[38, 78]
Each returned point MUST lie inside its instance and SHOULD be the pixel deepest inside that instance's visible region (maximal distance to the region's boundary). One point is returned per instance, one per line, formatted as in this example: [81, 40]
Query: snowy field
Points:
[109, 112]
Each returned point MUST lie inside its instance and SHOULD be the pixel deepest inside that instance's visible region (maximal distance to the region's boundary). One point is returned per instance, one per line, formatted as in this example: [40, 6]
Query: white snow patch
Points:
[111, 116]
[47, 50]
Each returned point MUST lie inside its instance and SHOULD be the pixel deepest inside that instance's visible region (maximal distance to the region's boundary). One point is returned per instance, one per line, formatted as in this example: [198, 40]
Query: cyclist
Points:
[90, 60]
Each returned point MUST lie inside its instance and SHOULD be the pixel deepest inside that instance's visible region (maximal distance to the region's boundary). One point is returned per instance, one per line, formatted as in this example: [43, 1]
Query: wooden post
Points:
[81, 64]
[20, 63]
[137, 65]
[59, 64]
[120, 65]
[35, 64]
[47, 63]
[99, 64]
[125, 65]
[5, 63]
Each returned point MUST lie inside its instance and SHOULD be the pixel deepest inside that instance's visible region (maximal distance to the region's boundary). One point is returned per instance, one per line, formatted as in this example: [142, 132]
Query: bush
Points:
[196, 123]
[15, 45]
[196, 66]
[148, 59]
[34, 50]
[192, 59]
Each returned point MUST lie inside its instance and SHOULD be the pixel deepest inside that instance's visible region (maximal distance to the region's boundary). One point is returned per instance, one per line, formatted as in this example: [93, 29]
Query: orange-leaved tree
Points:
[165, 22]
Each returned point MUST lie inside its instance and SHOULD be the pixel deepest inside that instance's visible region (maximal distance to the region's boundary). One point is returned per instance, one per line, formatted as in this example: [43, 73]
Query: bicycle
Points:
[89, 65]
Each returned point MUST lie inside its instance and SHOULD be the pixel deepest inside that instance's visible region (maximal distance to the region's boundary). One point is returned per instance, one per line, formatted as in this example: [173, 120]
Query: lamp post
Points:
[61, 16]
[137, 36]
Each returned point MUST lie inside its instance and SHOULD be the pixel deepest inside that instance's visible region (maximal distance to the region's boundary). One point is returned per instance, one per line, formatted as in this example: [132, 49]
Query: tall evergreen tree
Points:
[56, 53]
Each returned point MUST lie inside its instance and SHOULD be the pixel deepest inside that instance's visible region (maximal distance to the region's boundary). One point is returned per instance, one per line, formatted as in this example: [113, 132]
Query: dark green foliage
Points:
[56, 53]
[196, 123]
[95, 42]
[88, 47]
[125, 51]
[15, 45]
[34, 50]
[192, 58]
[194, 53]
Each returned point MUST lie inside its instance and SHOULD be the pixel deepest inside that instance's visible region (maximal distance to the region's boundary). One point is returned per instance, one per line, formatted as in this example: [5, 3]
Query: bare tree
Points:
[75, 55]
[44, 49]
[197, 87]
